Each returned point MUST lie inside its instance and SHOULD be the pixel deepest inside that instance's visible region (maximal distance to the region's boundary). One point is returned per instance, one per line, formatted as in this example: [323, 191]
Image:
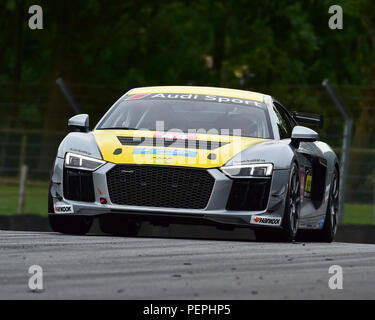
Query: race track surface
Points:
[163, 267]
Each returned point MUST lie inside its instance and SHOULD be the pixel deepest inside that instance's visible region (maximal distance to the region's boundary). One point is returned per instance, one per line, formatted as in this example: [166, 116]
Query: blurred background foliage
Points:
[125, 44]
[103, 48]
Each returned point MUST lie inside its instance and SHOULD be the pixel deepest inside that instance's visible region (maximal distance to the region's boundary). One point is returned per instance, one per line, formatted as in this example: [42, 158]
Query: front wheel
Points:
[331, 220]
[74, 225]
[291, 213]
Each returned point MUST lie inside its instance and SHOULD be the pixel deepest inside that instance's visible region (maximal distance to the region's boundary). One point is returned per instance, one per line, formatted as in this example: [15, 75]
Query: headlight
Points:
[249, 170]
[76, 161]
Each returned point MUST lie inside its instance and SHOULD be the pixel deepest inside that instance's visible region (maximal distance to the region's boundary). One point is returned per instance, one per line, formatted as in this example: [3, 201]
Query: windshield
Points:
[220, 116]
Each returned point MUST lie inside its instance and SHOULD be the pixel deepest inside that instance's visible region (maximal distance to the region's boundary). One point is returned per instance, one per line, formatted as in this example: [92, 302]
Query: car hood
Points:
[173, 149]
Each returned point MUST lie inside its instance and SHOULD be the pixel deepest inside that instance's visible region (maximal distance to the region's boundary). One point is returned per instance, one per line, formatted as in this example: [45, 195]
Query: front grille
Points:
[159, 186]
[78, 185]
[249, 195]
[175, 143]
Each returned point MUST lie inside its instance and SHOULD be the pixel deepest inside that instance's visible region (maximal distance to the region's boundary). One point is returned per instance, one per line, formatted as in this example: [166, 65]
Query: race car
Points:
[196, 155]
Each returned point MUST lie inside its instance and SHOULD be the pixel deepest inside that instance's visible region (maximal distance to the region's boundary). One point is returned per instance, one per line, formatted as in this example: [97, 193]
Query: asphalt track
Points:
[163, 266]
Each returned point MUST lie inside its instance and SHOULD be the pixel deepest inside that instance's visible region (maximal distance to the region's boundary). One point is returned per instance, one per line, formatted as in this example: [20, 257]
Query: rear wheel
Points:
[291, 213]
[331, 221]
[70, 224]
[119, 226]
[327, 234]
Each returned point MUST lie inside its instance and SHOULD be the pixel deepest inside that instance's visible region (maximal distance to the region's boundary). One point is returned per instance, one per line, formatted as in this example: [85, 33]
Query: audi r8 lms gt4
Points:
[196, 155]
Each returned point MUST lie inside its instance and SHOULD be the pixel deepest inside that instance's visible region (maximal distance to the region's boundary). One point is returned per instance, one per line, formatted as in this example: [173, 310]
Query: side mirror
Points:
[80, 122]
[303, 134]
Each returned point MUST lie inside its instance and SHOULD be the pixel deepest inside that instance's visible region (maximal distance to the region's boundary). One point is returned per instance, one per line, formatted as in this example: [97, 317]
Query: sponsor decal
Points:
[175, 96]
[137, 96]
[308, 183]
[264, 220]
[61, 207]
[166, 152]
[198, 97]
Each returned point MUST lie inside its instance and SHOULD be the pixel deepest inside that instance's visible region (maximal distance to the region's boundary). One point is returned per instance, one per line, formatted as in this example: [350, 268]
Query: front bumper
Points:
[214, 212]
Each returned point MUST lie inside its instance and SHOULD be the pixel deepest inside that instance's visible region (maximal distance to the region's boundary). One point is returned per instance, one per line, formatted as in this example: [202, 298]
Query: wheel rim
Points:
[294, 201]
[334, 204]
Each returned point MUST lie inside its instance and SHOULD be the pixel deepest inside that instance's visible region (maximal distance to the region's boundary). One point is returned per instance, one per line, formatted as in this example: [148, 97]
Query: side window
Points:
[283, 122]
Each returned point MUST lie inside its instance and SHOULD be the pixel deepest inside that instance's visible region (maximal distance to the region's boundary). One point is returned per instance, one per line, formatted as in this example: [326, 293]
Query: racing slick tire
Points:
[327, 234]
[74, 225]
[291, 213]
[50, 201]
[119, 226]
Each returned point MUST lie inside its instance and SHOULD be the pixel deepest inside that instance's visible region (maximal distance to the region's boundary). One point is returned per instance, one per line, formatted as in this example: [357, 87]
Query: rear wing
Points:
[308, 118]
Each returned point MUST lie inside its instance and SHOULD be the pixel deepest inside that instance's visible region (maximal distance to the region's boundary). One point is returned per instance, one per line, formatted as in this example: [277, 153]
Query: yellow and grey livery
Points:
[243, 181]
